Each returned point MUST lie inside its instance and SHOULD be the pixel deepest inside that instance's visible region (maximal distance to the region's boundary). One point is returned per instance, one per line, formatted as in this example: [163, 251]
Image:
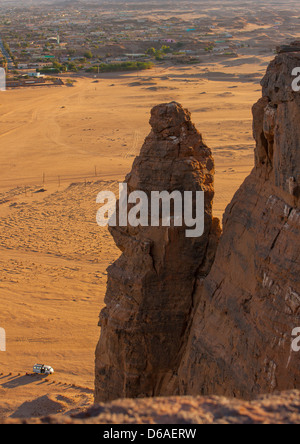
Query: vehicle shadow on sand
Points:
[19, 381]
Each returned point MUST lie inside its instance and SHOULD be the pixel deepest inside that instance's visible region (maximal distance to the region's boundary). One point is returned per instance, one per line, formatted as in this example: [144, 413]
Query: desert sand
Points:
[59, 147]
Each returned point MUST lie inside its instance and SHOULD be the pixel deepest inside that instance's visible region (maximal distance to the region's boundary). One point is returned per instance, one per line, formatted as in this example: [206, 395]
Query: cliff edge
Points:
[282, 408]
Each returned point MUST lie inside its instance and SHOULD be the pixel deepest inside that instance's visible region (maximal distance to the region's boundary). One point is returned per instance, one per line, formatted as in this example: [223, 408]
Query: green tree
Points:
[72, 67]
[166, 49]
[88, 55]
[151, 51]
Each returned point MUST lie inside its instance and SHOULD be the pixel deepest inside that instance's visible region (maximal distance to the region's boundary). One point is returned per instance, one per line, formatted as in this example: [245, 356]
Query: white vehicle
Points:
[42, 369]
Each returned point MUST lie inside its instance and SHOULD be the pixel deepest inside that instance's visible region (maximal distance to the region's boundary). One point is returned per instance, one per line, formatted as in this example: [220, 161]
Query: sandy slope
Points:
[53, 256]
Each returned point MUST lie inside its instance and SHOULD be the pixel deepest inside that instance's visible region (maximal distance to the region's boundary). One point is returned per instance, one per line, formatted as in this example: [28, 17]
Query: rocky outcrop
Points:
[292, 47]
[150, 288]
[282, 408]
[175, 323]
[246, 309]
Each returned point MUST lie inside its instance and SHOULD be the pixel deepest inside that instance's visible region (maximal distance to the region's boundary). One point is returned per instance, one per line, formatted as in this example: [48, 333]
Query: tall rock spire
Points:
[149, 298]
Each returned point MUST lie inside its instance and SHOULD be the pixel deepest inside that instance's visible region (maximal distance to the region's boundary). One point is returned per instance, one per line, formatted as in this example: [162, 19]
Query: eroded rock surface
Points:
[150, 288]
[240, 341]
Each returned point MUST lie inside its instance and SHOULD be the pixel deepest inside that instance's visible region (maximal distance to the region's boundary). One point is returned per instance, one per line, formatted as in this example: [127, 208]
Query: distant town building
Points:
[55, 40]
[168, 40]
[35, 74]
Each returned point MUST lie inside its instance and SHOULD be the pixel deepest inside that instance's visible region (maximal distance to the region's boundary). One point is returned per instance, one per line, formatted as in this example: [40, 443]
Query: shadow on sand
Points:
[38, 407]
[18, 381]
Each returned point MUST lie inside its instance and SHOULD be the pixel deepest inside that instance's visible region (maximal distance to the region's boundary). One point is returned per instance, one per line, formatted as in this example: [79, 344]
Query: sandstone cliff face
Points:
[240, 341]
[150, 288]
[175, 323]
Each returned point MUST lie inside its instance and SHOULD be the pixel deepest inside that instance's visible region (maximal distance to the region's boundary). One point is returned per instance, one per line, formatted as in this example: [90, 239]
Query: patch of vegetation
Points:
[70, 82]
[124, 66]
[49, 71]
[158, 54]
[88, 55]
